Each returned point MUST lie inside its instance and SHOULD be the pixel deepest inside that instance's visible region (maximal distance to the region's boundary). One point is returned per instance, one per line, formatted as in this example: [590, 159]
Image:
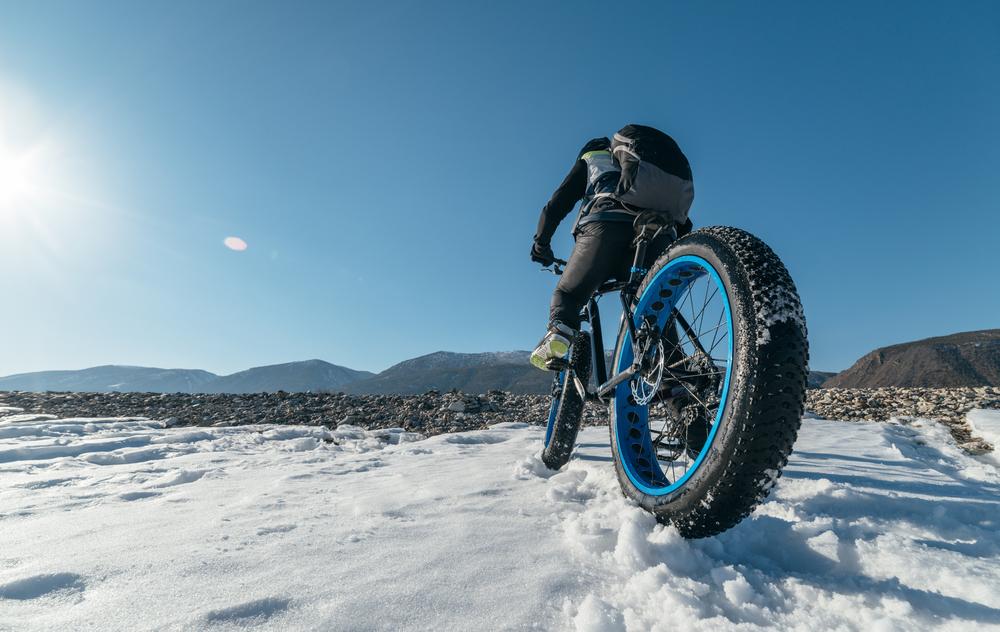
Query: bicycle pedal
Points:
[557, 364]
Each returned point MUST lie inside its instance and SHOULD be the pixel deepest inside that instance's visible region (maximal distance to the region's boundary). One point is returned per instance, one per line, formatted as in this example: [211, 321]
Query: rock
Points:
[976, 447]
[415, 422]
[433, 413]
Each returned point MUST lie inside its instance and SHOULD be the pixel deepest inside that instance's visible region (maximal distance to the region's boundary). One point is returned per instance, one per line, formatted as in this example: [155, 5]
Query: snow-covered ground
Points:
[123, 524]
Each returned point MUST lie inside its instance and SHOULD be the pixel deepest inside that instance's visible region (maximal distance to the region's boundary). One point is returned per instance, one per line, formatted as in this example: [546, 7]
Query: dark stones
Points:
[433, 412]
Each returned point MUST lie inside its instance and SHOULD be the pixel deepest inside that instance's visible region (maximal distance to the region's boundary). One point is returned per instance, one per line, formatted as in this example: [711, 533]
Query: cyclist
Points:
[603, 230]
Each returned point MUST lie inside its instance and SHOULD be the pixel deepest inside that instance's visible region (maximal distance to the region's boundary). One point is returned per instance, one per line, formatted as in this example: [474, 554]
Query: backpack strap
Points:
[626, 146]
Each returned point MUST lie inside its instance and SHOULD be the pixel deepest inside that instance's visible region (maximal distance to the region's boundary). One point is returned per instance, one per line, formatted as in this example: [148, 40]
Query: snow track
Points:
[127, 524]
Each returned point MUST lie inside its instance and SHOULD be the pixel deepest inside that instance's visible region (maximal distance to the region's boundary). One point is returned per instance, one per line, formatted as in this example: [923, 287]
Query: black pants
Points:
[603, 252]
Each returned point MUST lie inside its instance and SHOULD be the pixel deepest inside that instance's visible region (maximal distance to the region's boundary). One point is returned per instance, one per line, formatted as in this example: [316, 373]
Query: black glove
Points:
[542, 253]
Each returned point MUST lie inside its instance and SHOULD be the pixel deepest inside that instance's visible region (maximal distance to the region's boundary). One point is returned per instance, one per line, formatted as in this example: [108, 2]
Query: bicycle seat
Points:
[650, 223]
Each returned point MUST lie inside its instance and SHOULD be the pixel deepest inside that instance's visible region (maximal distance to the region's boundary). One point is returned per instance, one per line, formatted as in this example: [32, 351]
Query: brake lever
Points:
[556, 267]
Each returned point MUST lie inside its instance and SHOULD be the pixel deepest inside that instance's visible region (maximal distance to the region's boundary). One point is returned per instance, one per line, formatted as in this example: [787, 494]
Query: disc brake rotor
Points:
[646, 382]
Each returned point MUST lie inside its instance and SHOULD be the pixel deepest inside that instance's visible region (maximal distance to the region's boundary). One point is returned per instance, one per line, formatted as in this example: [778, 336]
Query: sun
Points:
[48, 202]
[22, 178]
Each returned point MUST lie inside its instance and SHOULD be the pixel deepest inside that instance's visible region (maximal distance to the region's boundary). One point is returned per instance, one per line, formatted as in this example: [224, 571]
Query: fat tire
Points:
[767, 389]
[567, 422]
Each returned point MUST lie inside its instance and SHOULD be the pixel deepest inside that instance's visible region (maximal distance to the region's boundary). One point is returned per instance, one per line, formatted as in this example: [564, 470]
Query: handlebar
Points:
[608, 286]
[556, 267]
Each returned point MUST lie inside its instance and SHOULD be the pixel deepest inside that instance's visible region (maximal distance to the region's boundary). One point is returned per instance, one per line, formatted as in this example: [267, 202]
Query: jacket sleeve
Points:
[572, 189]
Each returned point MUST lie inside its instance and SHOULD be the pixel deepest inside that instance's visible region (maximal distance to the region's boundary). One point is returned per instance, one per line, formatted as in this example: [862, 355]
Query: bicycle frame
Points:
[648, 231]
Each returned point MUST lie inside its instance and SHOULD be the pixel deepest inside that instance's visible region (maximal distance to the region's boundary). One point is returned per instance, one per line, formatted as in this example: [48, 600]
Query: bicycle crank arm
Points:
[625, 375]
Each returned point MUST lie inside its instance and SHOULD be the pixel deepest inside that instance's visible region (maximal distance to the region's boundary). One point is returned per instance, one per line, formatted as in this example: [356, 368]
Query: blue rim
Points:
[554, 409]
[637, 455]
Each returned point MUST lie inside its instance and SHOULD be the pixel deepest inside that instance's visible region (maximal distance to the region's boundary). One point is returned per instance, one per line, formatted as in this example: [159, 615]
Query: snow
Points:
[127, 524]
[782, 306]
[986, 424]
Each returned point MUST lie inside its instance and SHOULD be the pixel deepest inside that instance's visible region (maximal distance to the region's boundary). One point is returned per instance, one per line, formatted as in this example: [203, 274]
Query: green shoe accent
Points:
[547, 351]
[558, 348]
[538, 362]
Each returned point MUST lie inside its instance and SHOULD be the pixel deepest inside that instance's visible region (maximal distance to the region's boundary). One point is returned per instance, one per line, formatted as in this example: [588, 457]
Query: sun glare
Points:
[49, 212]
[22, 178]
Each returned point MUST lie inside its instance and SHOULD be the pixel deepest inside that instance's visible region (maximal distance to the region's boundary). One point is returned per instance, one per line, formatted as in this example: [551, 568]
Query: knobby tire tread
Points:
[567, 423]
[771, 384]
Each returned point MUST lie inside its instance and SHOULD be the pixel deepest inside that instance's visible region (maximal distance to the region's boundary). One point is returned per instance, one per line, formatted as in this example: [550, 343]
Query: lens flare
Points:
[235, 243]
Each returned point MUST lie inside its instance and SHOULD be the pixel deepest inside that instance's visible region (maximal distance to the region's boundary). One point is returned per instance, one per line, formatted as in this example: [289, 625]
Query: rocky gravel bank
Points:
[947, 405]
[430, 413]
[435, 413]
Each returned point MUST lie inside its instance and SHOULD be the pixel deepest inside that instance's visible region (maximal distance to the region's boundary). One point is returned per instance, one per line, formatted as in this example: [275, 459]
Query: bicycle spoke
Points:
[722, 314]
[716, 328]
[689, 331]
[676, 418]
[689, 391]
[660, 437]
[694, 375]
[716, 344]
[689, 295]
[701, 315]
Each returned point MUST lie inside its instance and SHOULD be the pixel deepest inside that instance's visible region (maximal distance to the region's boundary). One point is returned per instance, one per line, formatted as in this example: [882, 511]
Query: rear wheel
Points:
[702, 431]
[566, 409]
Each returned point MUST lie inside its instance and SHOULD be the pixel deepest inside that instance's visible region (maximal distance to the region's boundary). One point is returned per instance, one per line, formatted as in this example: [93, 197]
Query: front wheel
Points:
[566, 408]
[701, 433]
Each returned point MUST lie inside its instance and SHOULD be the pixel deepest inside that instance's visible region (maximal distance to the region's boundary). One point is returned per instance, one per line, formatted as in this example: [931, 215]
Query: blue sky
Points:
[386, 164]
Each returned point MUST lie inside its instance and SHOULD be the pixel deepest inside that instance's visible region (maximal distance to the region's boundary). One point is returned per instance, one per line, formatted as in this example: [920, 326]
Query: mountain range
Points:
[468, 372]
[970, 358]
[307, 375]
[963, 359]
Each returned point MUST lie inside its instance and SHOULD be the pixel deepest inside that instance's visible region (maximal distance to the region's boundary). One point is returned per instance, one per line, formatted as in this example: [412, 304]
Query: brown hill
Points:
[971, 358]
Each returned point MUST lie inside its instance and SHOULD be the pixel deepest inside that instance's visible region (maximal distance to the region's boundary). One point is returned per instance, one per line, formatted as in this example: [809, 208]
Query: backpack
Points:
[655, 174]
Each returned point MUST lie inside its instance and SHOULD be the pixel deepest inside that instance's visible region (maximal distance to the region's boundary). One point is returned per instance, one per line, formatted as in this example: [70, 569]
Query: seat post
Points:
[648, 226]
[638, 271]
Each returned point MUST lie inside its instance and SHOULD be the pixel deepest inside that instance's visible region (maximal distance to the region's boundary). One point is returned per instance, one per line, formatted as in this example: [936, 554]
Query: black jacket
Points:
[574, 188]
